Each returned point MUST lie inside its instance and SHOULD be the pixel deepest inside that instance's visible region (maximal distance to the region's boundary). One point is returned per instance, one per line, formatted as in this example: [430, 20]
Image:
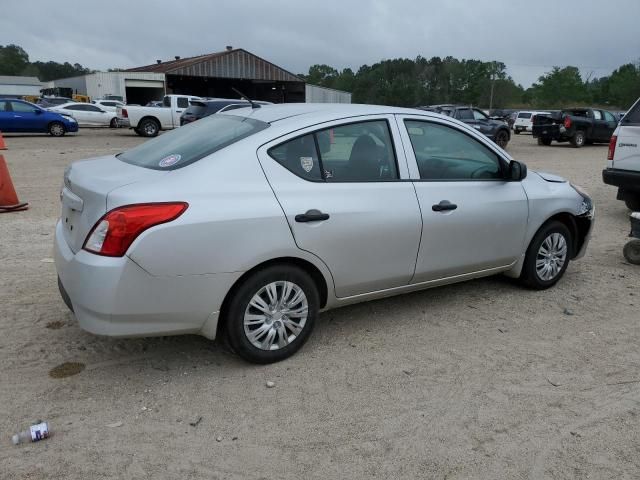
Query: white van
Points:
[623, 161]
[524, 121]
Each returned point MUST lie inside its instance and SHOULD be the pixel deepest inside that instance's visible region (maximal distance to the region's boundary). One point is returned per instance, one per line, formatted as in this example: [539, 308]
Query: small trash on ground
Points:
[66, 369]
[234, 439]
[218, 439]
[114, 425]
[47, 260]
[195, 424]
[270, 384]
[36, 432]
[568, 312]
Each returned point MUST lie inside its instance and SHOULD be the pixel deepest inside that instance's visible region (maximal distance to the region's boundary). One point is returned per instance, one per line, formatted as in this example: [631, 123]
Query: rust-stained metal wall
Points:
[237, 64]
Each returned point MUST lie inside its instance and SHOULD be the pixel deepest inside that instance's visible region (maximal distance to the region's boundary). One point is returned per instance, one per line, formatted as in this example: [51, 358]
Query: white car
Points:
[87, 115]
[250, 222]
[108, 105]
[524, 121]
[623, 160]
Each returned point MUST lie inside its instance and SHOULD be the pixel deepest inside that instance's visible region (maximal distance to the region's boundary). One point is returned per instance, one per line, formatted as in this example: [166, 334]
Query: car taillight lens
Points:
[612, 147]
[125, 114]
[567, 122]
[115, 232]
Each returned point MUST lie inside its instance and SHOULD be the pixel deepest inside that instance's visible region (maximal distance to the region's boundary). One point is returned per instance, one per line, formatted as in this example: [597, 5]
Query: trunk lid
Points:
[87, 185]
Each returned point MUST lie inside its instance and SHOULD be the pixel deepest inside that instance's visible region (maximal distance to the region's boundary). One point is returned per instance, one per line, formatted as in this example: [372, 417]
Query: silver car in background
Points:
[249, 223]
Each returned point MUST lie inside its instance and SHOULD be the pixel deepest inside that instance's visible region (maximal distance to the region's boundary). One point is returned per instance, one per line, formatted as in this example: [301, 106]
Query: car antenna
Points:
[242, 95]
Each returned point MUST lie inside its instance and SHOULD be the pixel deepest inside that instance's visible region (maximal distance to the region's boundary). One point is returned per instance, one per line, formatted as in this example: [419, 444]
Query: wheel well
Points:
[153, 119]
[308, 267]
[578, 232]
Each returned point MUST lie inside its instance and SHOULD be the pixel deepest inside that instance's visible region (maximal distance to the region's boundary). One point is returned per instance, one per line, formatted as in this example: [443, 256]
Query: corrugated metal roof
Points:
[236, 63]
[11, 80]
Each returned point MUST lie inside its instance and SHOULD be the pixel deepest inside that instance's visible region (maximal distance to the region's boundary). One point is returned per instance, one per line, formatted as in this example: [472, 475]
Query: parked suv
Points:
[623, 161]
[203, 108]
[524, 121]
[496, 130]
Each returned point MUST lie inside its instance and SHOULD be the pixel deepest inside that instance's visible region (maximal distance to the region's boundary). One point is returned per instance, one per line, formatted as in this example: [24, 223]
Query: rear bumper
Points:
[116, 297]
[625, 179]
[123, 122]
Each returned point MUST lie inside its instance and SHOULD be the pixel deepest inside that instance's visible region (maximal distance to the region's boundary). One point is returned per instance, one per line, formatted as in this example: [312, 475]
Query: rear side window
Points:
[186, 145]
[183, 102]
[4, 107]
[356, 152]
[632, 117]
[524, 115]
[465, 114]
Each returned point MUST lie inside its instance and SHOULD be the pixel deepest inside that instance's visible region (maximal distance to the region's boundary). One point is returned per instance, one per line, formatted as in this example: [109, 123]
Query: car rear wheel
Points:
[517, 132]
[547, 257]
[631, 251]
[113, 123]
[272, 314]
[56, 129]
[502, 138]
[578, 139]
[544, 141]
[148, 128]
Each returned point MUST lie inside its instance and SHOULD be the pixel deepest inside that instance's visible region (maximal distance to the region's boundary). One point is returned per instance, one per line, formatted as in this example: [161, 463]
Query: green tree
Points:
[560, 87]
[13, 60]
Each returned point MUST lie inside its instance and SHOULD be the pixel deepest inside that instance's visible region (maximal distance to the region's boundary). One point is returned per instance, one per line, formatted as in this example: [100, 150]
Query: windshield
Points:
[524, 115]
[188, 144]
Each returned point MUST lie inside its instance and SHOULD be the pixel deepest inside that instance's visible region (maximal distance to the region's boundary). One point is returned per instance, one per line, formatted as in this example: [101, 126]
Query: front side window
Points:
[22, 107]
[73, 107]
[608, 116]
[445, 153]
[465, 114]
[356, 152]
[478, 115]
[4, 107]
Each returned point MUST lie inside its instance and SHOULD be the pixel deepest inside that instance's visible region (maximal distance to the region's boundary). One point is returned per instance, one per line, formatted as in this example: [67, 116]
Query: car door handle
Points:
[312, 216]
[444, 206]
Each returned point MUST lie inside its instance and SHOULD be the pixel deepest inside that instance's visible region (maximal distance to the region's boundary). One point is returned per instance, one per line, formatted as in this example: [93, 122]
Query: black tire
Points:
[56, 129]
[631, 251]
[148, 127]
[544, 141]
[113, 123]
[239, 305]
[579, 139]
[530, 276]
[502, 138]
[517, 132]
[633, 202]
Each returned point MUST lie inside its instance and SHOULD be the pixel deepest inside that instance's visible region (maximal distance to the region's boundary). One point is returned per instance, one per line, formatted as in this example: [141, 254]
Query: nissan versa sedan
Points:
[247, 224]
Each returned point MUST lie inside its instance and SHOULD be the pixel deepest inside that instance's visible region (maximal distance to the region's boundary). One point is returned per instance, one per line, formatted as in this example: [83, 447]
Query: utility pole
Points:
[491, 98]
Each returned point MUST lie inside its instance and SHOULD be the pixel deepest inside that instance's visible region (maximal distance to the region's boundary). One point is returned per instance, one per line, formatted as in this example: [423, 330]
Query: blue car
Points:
[24, 117]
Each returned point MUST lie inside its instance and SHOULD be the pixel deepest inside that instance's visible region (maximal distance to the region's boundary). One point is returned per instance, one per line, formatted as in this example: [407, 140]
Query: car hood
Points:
[550, 177]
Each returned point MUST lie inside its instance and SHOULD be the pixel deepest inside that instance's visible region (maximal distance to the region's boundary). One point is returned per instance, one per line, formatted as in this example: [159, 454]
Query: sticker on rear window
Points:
[306, 163]
[170, 160]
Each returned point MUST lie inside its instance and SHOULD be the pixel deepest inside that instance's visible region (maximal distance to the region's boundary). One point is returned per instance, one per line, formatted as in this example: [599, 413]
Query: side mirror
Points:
[517, 171]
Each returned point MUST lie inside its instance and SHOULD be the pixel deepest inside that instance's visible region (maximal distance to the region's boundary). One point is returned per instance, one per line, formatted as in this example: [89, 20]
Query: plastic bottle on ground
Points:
[36, 432]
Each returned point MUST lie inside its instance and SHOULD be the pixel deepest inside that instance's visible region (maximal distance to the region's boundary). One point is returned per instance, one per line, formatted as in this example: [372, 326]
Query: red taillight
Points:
[125, 114]
[567, 122]
[114, 233]
[612, 147]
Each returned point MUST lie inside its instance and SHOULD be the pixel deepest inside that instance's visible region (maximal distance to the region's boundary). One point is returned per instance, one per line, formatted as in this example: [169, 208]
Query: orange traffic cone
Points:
[8, 198]
[3, 146]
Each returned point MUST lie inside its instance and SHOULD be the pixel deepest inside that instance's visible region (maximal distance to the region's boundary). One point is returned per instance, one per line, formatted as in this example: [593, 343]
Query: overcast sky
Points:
[529, 36]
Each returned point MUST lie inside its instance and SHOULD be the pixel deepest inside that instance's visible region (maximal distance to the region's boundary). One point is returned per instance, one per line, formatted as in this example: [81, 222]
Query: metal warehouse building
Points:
[14, 87]
[211, 75]
[216, 74]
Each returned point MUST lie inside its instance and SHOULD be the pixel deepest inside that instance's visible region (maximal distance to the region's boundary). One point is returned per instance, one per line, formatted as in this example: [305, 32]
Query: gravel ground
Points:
[477, 380]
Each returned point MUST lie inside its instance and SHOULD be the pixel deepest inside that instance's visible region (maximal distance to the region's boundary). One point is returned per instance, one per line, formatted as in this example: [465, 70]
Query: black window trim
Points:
[319, 154]
[504, 169]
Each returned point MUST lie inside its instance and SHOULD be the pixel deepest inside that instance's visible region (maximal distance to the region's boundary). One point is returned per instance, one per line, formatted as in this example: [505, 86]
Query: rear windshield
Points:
[632, 117]
[188, 144]
[524, 115]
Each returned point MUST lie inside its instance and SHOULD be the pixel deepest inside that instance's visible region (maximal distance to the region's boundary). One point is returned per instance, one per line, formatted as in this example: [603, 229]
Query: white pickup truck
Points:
[148, 121]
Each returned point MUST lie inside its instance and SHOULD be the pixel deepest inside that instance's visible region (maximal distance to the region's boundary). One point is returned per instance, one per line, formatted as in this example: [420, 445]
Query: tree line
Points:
[409, 83]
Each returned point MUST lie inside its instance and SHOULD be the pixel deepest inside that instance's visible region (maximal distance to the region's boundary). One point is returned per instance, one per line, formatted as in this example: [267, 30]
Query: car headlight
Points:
[586, 207]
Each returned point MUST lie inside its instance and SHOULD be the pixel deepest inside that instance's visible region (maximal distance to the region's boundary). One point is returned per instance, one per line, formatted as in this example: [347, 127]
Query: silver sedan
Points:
[249, 223]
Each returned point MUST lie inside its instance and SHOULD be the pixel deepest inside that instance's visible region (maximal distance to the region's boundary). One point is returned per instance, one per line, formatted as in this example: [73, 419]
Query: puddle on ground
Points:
[66, 369]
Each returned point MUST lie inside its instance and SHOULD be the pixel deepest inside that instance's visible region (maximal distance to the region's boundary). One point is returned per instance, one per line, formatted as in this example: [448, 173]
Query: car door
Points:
[610, 124]
[482, 123]
[182, 103]
[599, 126]
[6, 117]
[466, 115]
[344, 189]
[77, 112]
[473, 219]
[25, 118]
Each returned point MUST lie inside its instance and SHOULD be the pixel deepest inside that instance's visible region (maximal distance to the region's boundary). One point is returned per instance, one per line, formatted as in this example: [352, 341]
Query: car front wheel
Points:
[272, 314]
[56, 129]
[502, 138]
[547, 257]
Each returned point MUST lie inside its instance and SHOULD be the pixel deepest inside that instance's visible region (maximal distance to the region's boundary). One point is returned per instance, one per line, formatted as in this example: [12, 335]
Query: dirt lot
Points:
[478, 380]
